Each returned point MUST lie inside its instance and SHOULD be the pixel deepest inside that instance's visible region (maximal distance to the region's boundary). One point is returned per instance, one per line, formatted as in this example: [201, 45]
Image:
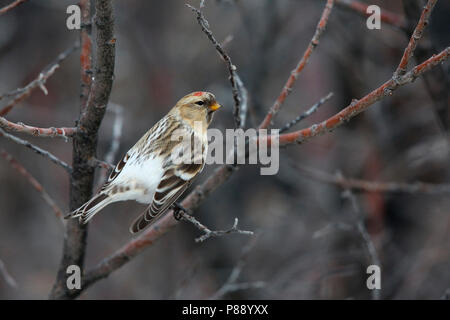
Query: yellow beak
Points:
[214, 107]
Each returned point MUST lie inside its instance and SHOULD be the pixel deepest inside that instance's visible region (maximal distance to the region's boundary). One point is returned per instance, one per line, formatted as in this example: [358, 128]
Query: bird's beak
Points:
[214, 107]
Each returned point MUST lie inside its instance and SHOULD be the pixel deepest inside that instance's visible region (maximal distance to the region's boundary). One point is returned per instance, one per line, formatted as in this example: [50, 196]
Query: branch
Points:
[36, 185]
[370, 247]
[11, 6]
[36, 149]
[223, 173]
[301, 64]
[36, 131]
[307, 113]
[114, 148]
[361, 8]
[39, 82]
[416, 36]
[358, 106]
[373, 186]
[209, 233]
[85, 139]
[231, 68]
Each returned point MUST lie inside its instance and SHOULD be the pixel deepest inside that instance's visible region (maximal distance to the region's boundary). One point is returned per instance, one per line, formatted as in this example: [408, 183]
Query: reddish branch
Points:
[416, 36]
[301, 64]
[361, 8]
[36, 131]
[11, 6]
[36, 185]
[85, 140]
[358, 106]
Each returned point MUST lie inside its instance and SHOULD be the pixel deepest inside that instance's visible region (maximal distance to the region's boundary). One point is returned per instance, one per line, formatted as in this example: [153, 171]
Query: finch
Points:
[151, 171]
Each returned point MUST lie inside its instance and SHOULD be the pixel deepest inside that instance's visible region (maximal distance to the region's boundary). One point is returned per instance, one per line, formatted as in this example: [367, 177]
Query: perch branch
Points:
[135, 246]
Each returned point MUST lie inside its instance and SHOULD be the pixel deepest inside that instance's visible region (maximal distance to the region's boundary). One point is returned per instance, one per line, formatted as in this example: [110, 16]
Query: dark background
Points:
[309, 246]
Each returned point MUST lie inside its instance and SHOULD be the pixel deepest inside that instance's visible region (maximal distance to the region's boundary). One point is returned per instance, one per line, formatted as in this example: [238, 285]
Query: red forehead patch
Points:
[198, 93]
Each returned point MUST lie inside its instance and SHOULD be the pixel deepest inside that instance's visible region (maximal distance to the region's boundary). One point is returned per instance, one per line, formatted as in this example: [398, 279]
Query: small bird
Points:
[151, 171]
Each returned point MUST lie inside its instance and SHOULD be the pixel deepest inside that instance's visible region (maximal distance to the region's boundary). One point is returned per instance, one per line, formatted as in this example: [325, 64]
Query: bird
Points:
[152, 172]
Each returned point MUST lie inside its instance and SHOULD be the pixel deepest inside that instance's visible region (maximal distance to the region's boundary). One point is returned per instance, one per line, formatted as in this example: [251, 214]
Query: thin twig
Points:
[231, 68]
[36, 149]
[301, 64]
[11, 6]
[36, 185]
[211, 233]
[372, 186]
[307, 113]
[361, 8]
[415, 37]
[23, 93]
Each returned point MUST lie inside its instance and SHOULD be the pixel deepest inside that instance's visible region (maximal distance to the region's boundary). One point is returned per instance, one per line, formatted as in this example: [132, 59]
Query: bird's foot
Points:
[178, 211]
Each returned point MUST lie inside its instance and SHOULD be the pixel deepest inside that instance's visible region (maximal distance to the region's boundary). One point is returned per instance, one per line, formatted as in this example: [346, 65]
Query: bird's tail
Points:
[90, 208]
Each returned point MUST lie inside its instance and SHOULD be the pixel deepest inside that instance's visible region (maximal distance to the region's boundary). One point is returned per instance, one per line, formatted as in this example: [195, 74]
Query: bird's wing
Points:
[173, 183]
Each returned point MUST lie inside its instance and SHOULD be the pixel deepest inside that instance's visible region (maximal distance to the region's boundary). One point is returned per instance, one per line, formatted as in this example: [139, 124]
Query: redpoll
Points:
[151, 171]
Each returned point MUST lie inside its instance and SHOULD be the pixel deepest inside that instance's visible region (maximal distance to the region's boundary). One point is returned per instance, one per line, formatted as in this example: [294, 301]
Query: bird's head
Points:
[197, 106]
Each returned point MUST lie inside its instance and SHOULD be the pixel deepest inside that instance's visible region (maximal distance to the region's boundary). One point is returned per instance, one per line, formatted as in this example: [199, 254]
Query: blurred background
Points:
[310, 244]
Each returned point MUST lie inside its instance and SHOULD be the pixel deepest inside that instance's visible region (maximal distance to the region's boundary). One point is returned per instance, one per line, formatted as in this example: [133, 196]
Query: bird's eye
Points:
[200, 103]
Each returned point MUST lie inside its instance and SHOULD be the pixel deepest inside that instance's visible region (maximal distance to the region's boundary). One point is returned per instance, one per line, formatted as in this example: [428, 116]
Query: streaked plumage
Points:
[150, 171]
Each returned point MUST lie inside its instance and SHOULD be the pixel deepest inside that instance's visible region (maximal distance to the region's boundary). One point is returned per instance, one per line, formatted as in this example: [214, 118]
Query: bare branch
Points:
[36, 149]
[307, 113]
[23, 93]
[11, 6]
[301, 64]
[416, 36]
[36, 131]
[209, 233]
[370, 247]
[358, 106]
[36, 185]
[231, 68]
